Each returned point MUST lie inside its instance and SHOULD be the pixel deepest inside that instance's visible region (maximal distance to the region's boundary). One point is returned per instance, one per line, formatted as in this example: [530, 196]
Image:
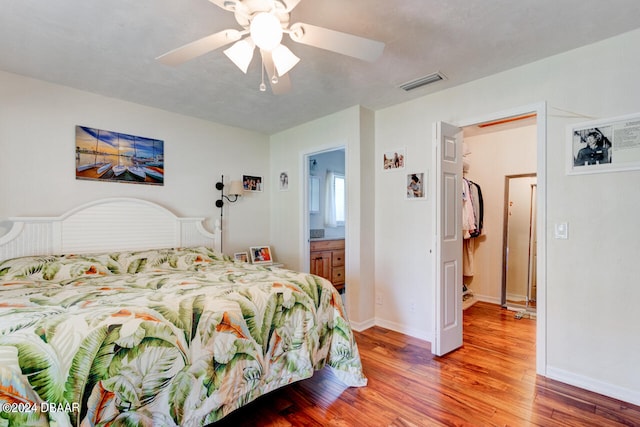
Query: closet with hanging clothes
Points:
[472, 218]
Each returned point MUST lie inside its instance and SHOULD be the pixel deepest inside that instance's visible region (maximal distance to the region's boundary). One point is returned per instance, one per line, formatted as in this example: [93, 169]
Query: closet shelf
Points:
[467, 299]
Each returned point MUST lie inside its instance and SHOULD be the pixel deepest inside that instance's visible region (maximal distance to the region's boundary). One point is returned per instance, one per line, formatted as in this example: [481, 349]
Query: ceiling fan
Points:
[263, 23]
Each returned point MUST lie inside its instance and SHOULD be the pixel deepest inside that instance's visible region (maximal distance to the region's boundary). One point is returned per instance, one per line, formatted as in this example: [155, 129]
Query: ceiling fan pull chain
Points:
[263, 87]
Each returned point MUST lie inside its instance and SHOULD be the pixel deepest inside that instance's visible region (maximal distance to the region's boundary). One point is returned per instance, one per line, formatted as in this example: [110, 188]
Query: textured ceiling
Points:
[108, 47]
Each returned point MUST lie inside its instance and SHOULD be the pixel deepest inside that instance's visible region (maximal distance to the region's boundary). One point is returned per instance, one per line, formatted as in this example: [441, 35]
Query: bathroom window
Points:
[340, 198]
[335, 200]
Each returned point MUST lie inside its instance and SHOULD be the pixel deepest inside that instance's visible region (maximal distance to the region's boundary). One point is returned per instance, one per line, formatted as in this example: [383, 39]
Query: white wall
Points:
[591, 284]
[353, 130]
[37, 158]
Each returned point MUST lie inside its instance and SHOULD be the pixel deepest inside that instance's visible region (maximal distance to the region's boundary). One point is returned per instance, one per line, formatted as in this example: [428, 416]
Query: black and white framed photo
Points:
[283, 181]
[394, 159]
[416, 186]
[252, 183]
[607, 145]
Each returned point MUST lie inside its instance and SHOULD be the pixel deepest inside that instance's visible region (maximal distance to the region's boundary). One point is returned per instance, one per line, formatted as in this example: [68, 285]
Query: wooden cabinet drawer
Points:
[338, 275]
[337, 258]
[326, 245]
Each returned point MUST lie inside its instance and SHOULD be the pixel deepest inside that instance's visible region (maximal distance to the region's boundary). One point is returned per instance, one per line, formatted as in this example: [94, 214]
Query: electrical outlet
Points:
[378, 299]
[412, 307]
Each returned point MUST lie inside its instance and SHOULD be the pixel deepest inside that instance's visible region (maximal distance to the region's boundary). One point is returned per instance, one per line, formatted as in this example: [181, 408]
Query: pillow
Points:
[58, 267]
[196, 257]
[140, 261]
[71, 266]
[156, 259]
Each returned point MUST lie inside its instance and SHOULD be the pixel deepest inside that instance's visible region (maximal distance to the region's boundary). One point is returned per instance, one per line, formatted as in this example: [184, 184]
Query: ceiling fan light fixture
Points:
[266, 31]
[284, 59]
[241, 53]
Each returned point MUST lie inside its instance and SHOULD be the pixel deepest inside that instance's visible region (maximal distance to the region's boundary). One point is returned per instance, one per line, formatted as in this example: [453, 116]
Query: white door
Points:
[448, 206]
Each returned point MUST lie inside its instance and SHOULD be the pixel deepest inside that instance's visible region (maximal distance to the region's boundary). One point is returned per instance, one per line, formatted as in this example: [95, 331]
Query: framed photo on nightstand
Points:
[241, 256]
[260, 255]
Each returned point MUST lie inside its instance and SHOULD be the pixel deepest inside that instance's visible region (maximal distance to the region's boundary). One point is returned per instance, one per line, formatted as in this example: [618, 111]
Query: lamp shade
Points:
[236, 188]
[284, 59]
[241, 53]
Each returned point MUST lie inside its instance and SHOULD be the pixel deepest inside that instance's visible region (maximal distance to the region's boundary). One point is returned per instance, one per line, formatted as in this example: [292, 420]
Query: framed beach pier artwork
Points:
[103, 155]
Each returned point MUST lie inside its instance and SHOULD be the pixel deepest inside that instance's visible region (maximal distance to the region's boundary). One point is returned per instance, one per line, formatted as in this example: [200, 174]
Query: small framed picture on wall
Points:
[283, 181]
[416, 186]
[394, 159]
[251, 183]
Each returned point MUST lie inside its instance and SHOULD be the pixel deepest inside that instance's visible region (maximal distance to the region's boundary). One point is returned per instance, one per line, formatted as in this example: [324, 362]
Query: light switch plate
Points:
[561, 231]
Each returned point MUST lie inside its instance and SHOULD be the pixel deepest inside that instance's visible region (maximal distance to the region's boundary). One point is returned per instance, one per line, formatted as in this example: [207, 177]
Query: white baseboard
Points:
[396, 327]
[484, 298]
[361, 326]
[596, 386]
[416, 333]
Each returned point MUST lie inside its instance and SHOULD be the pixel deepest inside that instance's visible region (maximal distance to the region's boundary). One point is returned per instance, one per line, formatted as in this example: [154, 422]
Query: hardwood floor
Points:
[491, 381]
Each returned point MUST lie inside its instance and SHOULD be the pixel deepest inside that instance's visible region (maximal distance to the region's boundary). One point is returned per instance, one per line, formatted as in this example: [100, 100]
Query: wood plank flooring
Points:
[491, 381]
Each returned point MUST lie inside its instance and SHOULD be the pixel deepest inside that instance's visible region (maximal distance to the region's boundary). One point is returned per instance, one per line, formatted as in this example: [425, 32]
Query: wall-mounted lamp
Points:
[235, 191]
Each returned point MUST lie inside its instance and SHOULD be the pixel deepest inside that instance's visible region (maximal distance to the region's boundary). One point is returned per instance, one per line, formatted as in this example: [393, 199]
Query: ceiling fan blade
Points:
[290, 4]
[335, 41]
[283, 84]
[225, 4]
[199, 47]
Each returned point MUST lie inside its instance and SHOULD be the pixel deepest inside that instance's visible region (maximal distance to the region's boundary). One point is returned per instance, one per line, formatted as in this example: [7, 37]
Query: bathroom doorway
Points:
[326, 216]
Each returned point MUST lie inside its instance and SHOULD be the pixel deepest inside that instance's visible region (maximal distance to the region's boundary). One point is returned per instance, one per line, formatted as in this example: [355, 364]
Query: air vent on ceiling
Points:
[423, 81]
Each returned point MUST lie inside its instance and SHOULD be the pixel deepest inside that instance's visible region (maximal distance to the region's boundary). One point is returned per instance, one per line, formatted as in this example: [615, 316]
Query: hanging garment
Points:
[468, 249]
[468, 216]
[478, 208]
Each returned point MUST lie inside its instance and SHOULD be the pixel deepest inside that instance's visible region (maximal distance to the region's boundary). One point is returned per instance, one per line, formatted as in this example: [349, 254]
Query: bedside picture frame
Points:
[260, 255]
[241, 256]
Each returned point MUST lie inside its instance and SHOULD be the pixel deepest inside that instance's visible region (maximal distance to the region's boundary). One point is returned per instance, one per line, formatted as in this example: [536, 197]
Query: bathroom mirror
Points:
[519, 287]
[314, 194]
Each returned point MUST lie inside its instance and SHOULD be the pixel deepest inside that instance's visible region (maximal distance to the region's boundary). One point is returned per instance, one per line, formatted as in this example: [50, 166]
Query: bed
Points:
[118, 312]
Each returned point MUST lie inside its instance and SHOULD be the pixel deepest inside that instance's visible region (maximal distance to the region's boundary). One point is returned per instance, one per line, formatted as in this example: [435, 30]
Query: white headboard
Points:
[106, 225]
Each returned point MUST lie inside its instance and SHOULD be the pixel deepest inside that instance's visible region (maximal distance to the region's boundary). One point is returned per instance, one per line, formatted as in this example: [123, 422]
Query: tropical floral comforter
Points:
[163, 337]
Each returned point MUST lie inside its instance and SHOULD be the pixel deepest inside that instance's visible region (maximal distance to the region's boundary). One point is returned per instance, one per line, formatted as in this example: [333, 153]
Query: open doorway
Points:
[448, 311]
[326, 215]
[501, 159]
